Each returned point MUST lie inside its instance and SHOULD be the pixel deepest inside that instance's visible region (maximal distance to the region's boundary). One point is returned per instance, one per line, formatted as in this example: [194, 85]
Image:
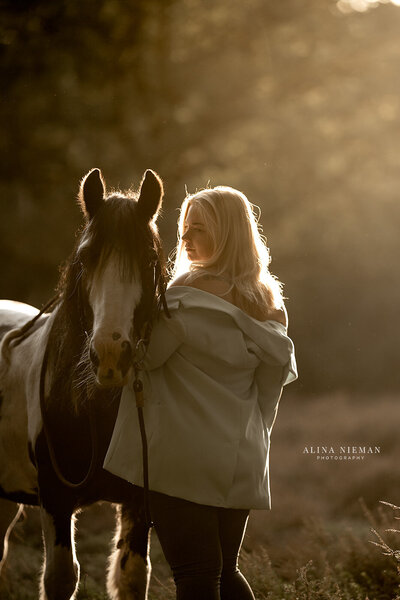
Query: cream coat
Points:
[213, 379]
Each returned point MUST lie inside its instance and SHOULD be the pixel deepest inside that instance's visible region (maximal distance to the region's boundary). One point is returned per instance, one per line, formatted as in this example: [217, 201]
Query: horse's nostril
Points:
[110, 374]
[125, 360]
[94, 357]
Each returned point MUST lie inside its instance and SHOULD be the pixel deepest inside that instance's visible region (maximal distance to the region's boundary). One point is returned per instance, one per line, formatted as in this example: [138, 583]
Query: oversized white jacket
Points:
[212, 384]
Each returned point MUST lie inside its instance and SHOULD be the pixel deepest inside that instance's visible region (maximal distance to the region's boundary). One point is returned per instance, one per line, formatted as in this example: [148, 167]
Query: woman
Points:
[214, 375]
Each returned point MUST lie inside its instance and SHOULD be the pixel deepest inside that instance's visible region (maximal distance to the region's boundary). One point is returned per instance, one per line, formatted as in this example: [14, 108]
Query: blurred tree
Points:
[296, 104]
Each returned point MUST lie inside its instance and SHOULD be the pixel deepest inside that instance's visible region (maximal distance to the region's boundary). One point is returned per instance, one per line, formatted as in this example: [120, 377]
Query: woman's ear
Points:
[150, 195]
[91, 193]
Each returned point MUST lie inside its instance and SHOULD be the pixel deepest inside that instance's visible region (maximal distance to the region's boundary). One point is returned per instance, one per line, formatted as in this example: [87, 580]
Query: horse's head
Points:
[118, 256]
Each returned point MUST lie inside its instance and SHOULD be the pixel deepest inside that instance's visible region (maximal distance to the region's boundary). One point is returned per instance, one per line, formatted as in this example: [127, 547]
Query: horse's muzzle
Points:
[111, 362]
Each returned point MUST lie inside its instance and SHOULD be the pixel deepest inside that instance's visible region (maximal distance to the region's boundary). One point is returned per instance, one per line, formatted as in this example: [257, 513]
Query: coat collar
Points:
[270, 336]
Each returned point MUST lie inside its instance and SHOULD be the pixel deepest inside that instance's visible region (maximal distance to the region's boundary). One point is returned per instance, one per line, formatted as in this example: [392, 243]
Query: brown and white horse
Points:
[60, 386]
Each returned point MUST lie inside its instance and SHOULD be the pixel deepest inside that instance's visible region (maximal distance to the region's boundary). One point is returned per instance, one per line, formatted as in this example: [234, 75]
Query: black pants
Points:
[201, 544]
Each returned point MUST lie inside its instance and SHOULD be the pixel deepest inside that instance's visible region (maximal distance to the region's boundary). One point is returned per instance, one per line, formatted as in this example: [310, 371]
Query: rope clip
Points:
[138, 389]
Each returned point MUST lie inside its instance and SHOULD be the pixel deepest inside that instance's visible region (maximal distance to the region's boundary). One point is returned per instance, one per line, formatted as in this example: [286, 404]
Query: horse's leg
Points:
[10, 513]
[129, 566]
[60, 576]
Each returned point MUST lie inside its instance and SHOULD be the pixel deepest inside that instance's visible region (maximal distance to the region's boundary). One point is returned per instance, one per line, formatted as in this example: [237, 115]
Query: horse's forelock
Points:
[118, 230]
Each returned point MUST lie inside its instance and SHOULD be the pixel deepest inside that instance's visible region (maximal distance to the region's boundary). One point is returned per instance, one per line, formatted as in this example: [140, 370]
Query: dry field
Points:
[314, 544]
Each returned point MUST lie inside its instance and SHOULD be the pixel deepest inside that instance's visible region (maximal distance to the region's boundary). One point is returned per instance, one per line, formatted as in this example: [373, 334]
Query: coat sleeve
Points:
[166, 337]
[270, 381]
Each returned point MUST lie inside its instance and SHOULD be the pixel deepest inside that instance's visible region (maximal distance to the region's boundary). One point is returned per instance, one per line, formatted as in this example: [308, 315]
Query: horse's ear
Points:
[150, 195]
[91, 193]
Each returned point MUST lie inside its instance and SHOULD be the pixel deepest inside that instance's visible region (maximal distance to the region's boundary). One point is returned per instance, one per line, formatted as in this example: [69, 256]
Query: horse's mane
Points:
[114, 229]
[118, 229]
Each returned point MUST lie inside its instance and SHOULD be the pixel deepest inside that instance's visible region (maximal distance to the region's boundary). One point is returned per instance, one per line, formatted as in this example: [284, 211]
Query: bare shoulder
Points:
[211, 284]
[181, 280]
[280, 315]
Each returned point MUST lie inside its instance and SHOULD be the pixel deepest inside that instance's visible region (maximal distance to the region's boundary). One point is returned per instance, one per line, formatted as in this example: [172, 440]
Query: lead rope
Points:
[138, 389]
[142, 346]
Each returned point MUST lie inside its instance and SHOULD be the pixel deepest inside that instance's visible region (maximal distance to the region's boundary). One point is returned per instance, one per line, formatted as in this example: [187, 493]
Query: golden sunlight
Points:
[347, 6]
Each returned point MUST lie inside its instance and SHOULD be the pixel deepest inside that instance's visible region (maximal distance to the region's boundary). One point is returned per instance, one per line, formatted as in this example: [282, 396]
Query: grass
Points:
[315, 544]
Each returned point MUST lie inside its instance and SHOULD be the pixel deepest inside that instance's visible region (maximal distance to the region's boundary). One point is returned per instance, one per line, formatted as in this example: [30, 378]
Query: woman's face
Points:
[197, 240]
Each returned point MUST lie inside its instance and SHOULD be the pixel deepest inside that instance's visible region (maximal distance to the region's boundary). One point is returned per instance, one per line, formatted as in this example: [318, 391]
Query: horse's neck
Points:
[65, 347]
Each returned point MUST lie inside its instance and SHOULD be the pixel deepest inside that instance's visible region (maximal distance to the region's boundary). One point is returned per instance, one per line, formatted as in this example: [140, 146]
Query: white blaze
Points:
[113, 300]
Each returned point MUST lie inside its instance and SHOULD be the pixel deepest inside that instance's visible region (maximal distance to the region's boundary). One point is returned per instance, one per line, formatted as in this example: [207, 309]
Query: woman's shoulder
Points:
[180, 280]
[221, 287]
[213, 284]
[207, 282]
[278, 314]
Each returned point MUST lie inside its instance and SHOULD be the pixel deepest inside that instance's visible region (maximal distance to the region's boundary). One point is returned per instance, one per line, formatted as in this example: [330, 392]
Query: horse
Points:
[61, 376]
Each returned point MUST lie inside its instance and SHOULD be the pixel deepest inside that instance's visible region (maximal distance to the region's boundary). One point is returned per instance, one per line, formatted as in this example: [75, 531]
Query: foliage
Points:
[294, 103]
[313, 545]
[342, 568]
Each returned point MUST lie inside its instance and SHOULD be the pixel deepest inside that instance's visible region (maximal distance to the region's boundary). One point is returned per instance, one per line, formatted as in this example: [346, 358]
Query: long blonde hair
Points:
[240, 254]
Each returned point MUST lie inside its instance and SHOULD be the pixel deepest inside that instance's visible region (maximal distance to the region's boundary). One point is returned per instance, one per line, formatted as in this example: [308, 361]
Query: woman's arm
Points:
[165, 339]
[269, 380]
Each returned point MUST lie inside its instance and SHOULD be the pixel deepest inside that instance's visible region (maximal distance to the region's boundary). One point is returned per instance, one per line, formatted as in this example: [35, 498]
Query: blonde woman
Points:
[214, 376]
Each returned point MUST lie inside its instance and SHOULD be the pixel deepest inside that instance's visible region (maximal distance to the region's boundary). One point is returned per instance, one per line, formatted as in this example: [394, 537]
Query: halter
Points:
[158, 301]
